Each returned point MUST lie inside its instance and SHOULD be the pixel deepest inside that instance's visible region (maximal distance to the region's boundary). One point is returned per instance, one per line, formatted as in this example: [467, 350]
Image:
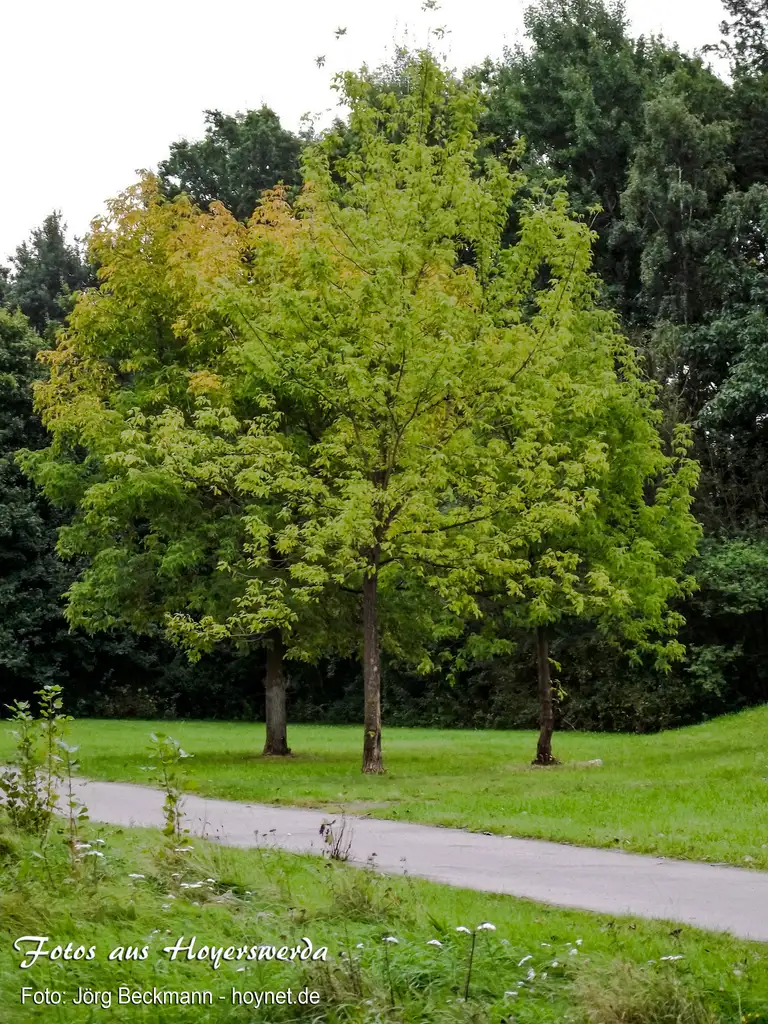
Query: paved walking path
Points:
[608, 881]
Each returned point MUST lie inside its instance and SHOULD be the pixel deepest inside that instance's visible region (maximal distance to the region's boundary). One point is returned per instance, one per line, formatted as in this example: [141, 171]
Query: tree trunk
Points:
[274, 684]
[372, 763]
[546, 709]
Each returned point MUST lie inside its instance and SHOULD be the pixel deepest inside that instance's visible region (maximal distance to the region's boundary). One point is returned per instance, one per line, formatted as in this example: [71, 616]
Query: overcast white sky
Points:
[94, 89]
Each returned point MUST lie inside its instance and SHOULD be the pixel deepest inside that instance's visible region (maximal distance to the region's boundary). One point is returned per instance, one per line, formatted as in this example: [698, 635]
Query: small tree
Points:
[621, 565]
[385, 307]
[158, 444]
[614, 545]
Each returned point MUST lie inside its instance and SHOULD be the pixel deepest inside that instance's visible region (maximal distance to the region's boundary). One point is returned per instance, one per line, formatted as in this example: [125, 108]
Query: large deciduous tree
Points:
[36, 646]
[364, 310]
[239, 157]
[157, 443]
[575, 94]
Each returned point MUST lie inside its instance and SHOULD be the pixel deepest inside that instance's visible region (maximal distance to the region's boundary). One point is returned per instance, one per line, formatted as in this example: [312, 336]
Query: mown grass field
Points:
[699, 793]
[537, 965]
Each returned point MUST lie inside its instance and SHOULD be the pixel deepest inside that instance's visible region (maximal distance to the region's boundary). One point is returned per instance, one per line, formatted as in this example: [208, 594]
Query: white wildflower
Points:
[461, 928]
[390, 938]
[486, 926]
[678, 957]
[134, 875]
[555, 963]
[573, 952]
[525, 960]
[511, 994]
[93, 853]
[530, 975]
[434, 942]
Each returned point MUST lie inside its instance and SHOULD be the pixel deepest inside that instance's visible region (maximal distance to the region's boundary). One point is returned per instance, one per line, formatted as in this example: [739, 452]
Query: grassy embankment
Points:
[538, 966]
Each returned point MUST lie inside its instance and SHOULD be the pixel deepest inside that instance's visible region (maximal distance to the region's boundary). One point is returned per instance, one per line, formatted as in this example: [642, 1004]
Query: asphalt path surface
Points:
[710, 896]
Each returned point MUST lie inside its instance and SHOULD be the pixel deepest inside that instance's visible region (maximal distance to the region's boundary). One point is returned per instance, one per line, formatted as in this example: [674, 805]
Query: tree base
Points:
[545, 761]
[276, 752]
[374, 768]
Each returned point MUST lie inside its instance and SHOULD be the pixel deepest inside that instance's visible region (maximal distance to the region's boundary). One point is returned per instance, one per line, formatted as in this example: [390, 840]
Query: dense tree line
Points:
[666, 163]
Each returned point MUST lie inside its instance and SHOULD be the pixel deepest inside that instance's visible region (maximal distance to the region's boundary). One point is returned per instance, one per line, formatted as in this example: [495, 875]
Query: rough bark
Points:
[372, 762]
[546, 706]
[274, 684]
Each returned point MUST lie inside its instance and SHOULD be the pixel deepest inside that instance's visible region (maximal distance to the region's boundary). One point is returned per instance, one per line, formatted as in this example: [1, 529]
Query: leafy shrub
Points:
[30, 782]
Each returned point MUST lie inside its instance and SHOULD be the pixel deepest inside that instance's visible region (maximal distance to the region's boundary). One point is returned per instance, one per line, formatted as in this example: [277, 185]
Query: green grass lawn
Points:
[537, 965]
[699, 793]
